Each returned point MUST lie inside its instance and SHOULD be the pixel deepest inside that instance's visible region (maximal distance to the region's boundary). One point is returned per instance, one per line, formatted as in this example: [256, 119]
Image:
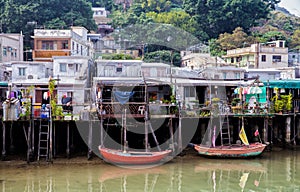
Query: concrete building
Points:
[49, 43]
[26, 74]
[294, 57]
[31, 72]
[259, 56]
[118, 68]
[11, 47]
[100, 15]
[156, 70]
[200, 61]
[73, 74]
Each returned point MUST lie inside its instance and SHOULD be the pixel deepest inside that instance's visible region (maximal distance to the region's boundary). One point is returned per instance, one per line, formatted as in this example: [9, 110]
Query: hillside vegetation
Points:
[226, 24]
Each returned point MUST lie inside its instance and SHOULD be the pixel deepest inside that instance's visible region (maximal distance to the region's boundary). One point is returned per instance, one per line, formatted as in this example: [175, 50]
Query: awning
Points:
[3, 84]
[286, 83]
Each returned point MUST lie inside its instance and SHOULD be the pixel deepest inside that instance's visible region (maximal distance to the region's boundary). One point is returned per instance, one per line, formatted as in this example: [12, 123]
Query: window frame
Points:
[22, 71]
[47, 45]
[63, 67]
[263, 58]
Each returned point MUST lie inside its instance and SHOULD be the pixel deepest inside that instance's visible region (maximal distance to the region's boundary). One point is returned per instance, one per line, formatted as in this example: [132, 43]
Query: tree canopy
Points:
[225, 23]
[17, 14]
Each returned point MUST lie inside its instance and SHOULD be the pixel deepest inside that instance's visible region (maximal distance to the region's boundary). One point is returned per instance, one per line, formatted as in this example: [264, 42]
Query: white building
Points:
[11, 47]
[259, 56]
[73, 79]
[49, 43]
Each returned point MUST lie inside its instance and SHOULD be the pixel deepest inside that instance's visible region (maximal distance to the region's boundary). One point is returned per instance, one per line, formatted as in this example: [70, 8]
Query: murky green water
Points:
[275, 171]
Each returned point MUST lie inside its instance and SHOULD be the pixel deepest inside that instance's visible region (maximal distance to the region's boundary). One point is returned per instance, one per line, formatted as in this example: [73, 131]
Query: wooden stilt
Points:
[90, 138]
[68, 140]
[11, 146]
[265, 131]
[288, 129]
[3, 140]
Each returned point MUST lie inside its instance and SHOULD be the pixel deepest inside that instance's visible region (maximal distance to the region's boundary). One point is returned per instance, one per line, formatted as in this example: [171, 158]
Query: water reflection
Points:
[276, 171]
[227, 175]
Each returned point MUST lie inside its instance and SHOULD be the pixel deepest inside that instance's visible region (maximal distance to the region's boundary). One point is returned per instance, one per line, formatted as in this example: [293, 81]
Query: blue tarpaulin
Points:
[123, 96]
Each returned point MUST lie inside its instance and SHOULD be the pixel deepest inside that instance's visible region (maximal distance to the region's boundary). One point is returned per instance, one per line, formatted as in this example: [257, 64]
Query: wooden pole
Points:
[3, 140]
[288, 129]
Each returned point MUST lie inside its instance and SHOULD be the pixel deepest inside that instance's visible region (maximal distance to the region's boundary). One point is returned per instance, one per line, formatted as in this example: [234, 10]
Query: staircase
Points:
[225, 131]
[43, 147]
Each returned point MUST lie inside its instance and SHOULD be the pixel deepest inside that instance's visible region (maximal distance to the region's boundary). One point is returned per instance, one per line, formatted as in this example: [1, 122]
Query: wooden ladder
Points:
[43, 147]
[225, 131]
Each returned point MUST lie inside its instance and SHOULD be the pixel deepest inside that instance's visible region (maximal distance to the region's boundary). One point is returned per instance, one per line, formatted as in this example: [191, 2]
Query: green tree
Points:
[216, 17]
[272, 36]
[154, 5]
[119, 56]
[164, 56]
[237, 39]
[215, 48]
[295, 40]
[15, 14]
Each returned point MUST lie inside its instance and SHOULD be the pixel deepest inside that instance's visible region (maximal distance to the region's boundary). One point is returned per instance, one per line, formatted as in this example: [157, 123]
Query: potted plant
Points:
[56, 111]
[173, 99]
[151, 99]
[215, 100]
[278, 106]
[235, 101]
[287, 100]
[26, 109]
[195, 104]
[278, 103]
[26, 103]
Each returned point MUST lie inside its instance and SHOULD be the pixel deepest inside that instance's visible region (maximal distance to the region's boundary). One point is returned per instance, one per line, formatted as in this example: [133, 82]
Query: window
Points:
[65, 44]
[77, 48]
[263, 58]
[47, 72]
[276, 58]
[237, 75]
[231, 60]
[189, 92]
[224, 75]
[78, 67]
[73, 45]
[71, 65]
[22, 71]
[280, 44]
[4, 51]
[47, 45]
[119, 68]
[81, 50]
[63, 67]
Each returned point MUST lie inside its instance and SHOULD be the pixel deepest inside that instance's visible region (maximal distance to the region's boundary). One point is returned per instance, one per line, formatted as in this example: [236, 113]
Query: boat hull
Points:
[132, 157]
[233, 151]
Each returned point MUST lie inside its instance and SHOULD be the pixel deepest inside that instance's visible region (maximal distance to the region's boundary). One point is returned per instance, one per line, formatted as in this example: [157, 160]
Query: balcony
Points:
[44, 54]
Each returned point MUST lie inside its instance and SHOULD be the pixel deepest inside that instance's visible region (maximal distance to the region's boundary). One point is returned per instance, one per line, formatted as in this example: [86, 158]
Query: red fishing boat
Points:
[133, 157]
[122, 106]
[227, 149]
[238, 151]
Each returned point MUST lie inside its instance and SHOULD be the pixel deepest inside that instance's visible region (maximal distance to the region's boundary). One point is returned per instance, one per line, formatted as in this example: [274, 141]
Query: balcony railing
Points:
[50, 53]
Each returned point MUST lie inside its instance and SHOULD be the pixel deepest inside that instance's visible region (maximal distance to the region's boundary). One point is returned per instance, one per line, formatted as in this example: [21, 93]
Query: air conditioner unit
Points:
[32, 77]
